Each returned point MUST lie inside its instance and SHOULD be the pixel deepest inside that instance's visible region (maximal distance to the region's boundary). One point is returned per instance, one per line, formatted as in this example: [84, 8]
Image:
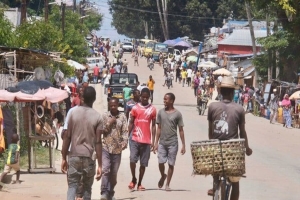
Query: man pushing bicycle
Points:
[225, 119]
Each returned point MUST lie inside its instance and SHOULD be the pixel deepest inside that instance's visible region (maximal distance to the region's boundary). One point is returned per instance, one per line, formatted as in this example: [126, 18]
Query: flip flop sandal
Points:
[162, 181]
[141, 188]
[210, 192]
[131, 185]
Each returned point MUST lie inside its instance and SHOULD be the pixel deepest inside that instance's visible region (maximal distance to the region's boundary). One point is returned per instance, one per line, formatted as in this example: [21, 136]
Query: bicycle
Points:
[222, 188]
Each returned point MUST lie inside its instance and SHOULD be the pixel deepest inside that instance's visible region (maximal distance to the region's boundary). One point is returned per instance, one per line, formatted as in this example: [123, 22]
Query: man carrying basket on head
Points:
[225, 118]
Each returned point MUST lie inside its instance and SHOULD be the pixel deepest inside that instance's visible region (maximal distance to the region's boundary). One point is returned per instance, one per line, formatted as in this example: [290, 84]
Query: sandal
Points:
[162, 181]
[210, 192]
[131, 185]
[141, 188]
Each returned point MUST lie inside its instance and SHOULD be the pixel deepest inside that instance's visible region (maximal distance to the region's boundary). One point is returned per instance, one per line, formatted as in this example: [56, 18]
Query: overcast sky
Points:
[106, 29]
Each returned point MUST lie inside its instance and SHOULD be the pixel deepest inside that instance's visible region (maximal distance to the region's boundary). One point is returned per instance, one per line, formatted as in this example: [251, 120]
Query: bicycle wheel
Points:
[220, 190]
[203, 107]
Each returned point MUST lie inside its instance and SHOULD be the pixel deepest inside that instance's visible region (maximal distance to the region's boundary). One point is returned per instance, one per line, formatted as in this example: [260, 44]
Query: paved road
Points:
[273, 171]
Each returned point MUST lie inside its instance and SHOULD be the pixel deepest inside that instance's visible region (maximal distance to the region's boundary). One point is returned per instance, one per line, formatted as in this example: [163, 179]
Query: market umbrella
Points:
[51, 94]
[55, 95]
[295, 95]
[207, 64]
[183, 44]
[192, 58]
[170, 42]
[222, 71]
[76, 65]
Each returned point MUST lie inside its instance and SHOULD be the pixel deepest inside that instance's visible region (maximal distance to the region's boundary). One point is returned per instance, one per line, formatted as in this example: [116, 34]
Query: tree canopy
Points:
[48, 36]
[185, 17]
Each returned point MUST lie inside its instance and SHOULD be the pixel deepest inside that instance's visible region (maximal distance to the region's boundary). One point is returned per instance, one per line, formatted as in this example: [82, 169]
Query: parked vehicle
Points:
[160, 47]
[127, 47]
[117, 83]
[143, 43]
[149, 48]
[93, 61]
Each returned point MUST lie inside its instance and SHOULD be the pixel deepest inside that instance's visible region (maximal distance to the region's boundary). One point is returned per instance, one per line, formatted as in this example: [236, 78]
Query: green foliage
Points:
[93, 21]
[49, 36]
[277, 41]
[38, 35]
[261, 64]
[7, 37]
[186, 17]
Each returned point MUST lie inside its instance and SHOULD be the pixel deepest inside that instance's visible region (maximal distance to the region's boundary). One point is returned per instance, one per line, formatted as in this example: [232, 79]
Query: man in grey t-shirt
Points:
[168, 119]
[85, 127]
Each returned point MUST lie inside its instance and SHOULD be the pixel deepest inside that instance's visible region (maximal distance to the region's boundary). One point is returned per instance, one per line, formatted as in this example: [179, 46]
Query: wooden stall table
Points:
[32, 162]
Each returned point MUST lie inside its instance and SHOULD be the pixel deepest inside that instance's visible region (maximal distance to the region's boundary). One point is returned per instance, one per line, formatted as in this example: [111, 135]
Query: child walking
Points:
[12, 161]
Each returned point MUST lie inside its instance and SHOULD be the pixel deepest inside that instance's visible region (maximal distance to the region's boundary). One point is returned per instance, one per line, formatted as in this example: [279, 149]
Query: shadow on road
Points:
[175, 190]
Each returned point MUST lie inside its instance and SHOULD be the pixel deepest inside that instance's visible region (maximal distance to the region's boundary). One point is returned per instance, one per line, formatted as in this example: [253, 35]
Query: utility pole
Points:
[248, 10]
[46, 10]
[74, 5]
[63, 4]
[81, 10]
[23, 11]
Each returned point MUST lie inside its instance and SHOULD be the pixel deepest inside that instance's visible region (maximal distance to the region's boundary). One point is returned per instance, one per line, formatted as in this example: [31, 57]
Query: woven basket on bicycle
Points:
[214, 156]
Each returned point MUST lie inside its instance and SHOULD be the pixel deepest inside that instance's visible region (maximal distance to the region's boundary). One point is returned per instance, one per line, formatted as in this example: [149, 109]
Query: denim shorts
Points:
[167, 153]
[139, 151]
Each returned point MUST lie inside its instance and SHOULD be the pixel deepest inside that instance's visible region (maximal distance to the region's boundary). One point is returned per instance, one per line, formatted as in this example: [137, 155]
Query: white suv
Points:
[127, 46]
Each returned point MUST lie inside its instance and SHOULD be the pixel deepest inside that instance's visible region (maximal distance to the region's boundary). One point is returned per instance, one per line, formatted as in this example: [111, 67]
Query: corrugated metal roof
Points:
[242, 37]
[7, 80]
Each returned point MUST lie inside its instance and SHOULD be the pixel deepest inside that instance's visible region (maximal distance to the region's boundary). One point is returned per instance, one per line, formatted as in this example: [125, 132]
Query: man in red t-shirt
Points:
[142, 114]
[96, 74]
[112, 70]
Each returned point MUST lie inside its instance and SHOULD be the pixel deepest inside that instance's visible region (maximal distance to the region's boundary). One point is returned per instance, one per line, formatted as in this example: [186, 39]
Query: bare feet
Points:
[168, 189]
[161, 182]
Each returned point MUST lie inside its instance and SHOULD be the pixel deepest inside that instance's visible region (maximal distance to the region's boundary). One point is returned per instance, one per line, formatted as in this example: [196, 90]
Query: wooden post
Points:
[63, 17]
[46, 10]
[23, 11]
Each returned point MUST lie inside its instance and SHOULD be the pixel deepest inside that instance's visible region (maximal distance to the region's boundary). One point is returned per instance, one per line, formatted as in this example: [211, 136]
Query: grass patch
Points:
[42, 158]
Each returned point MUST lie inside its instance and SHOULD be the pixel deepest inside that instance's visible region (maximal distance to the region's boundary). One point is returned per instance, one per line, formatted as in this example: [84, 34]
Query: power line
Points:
[176, 15]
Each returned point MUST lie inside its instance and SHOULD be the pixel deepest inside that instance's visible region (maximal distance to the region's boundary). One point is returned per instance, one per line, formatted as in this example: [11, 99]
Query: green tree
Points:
[7, 36]
[38, 35]
[284, 43]
[186, 17]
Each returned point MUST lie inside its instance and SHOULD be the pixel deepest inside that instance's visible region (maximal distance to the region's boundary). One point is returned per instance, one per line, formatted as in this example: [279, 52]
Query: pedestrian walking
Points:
[132, 102]
[150, 85]
[189, 76]
[142, 125]
[232, 116]
[286, 104]
[136, 60]
[115, 138]
[13, 160]
[85, 127]
[126, 93]
[166, 143]
[274, 106]
[178, 74]
[96, 74]
[183, 76]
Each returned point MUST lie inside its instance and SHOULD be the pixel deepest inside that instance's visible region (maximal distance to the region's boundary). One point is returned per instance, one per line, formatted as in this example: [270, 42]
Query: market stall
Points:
[38, 100]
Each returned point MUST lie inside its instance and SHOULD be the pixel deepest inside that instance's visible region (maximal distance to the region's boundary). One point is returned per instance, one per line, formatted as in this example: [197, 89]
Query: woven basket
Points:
[207, 157]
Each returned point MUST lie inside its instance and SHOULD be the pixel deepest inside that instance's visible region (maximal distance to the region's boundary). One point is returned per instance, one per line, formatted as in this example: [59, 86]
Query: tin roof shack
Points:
[239, 42]
[282, 89]
[21, 62]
